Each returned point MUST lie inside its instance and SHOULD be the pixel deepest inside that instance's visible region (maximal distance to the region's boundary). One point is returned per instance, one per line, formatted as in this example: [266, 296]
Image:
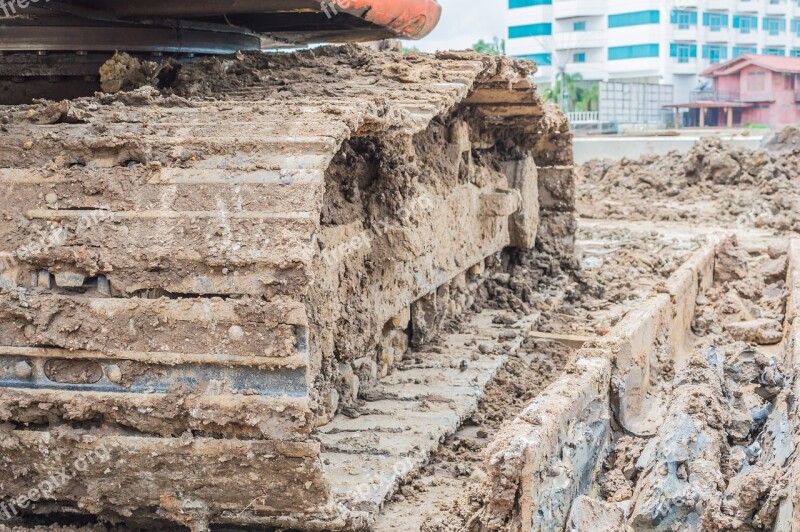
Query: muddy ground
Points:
[736, 339]
[447, 495]
[711, 184]
[616, 270]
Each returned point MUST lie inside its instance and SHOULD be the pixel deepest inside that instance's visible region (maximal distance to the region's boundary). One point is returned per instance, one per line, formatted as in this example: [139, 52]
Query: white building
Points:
[652, 41]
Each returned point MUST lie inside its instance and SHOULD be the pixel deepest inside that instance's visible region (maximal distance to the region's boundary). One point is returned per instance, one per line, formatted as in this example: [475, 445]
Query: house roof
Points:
[775, 63]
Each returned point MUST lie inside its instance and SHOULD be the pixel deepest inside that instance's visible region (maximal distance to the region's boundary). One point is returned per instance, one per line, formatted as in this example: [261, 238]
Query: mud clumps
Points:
[712, 183]
[787, 138]
[124, 72]
[618, 483]
[590, 293]
[267, 272]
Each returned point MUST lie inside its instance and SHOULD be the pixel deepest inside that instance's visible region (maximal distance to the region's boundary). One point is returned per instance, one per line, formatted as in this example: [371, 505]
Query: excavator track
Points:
[191, 276]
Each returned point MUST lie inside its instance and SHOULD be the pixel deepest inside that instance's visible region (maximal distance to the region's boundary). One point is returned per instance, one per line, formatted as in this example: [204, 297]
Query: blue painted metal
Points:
[240, 380]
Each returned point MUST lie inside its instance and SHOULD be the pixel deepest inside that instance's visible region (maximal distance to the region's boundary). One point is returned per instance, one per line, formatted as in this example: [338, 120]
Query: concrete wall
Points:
[614, 147]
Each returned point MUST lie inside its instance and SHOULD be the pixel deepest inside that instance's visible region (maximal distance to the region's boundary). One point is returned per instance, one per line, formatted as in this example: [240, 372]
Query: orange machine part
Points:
[410, 19]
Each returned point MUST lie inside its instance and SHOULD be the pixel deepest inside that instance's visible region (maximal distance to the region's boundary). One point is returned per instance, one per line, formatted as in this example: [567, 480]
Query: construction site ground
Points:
[620, 268]
[640, 221]
[646, 382]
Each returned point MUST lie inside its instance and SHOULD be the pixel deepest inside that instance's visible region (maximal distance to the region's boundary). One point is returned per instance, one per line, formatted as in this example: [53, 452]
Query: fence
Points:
[714, 96]
[634, 103]
[583, 117]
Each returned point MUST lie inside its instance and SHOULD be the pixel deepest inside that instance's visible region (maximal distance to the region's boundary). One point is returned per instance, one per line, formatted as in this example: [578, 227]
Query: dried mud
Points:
[719, 460]
[611, 272]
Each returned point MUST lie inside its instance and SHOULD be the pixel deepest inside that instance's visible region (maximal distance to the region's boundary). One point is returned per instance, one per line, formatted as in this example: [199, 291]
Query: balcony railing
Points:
[714, 96]
[732, 96]
[583, 117]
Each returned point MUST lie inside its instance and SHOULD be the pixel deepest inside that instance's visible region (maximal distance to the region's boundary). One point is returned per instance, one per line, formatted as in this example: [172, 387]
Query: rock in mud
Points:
[722, 169]
[124, 72]
[731, 263]
[591, 514]
[744, 496]
[775, 270]
[762, 331]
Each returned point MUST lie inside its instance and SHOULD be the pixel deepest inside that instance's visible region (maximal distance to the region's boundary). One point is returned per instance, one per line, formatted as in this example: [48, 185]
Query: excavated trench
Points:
[570, 305]
[683, 417]
[718, 458]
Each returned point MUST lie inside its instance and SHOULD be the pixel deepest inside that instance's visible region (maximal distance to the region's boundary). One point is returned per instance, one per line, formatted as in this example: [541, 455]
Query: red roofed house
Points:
[760, 89]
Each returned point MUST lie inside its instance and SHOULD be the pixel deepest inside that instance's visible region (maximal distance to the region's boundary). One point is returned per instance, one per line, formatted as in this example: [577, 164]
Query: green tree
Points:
[563, 91]
[496, 47]
[588, 99]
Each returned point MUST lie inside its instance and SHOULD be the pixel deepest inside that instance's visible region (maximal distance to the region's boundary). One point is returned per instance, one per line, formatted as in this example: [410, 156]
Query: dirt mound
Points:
[787, 138]
[712, 183]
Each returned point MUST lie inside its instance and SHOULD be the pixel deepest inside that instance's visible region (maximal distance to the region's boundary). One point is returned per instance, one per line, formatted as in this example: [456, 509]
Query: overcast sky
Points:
[463, 23]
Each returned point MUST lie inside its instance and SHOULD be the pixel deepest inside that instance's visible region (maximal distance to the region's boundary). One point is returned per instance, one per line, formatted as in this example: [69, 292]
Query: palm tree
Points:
[564, 91]
[588, 99]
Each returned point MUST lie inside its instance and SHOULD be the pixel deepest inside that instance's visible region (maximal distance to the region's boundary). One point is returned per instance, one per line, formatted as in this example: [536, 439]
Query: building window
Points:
[741, 50]
[773, 51]
[796, 27]
[756, 81]
[684, 19]
[513, 4]
[715, 54]
[636, 51]
[774, 26]
[683, 52]
[633, 19]
[530, 30]
[715, 21]
[579, 58]
[539, 59]
[745, 24]
[579, 26]
[795, 53]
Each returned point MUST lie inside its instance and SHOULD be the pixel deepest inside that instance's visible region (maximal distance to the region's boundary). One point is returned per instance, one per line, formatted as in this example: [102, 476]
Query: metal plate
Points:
[131, 39]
